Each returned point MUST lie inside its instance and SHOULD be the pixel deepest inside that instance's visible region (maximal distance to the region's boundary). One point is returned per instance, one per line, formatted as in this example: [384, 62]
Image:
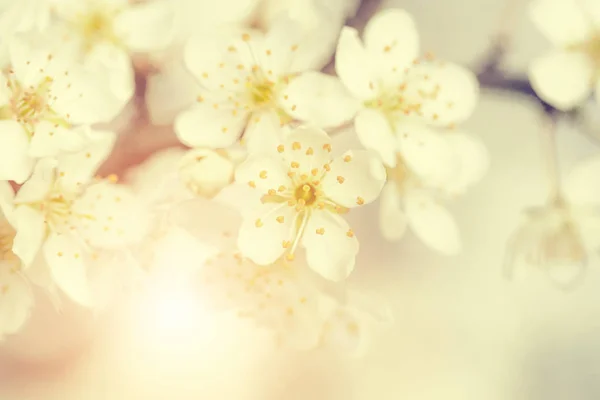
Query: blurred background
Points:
[462, 332]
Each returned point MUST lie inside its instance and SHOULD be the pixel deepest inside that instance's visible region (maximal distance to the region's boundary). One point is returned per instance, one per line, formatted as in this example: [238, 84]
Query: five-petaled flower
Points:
[566, 77]
[303, 193]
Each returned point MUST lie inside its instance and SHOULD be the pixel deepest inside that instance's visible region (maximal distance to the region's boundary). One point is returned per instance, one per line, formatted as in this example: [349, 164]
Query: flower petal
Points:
[261, 235]
[356, 178]
[432, 223]
[263, 173]
[375, 133]
[310, 148]
[64, 255]
[353, 65]
[319, 99]
[15, 163]
[392, 219]
[146, 26]
[391, 38]
[446, 93]
[17, 300]
[203, 126]
[37, 187]
[263, 133]
[50, 140]
[331, 247]
[563, 22]
[30, 226]
[205, 171]
[579, 187]
[563, 79]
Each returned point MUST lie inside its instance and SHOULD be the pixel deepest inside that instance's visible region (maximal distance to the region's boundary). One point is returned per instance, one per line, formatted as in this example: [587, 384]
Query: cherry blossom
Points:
[76, 225]
[303, 194]
[395, 87]
[566, 77]
[252, 83]
[559, 238]
[429, 169]
[45, 107]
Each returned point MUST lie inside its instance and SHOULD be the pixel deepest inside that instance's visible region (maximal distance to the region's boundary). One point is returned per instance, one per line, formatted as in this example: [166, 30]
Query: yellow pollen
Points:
[305, 194]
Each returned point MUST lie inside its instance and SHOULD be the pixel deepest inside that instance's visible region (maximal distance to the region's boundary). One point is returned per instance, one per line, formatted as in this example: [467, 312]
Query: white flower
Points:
[429, 167]
[43, 104]
[103, 33]
[16, 297]
[61, 212]
[251, 84]
[566, 77]
[303, 193]
[559, 238]
[395, 88]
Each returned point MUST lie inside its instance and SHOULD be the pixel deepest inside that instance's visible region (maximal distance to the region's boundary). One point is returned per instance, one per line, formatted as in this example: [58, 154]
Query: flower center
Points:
[96, 27]
[591, 47]
[393, 104]
[306, 194]
[563, 246]
[261, 92]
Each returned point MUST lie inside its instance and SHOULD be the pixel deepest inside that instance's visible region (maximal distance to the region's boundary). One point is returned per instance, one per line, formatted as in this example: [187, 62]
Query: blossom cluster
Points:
[260, 187]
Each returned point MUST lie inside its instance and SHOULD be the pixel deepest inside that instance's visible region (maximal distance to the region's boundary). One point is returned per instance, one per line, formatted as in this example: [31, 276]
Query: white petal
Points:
[353, 66]
[203, 126]
[146, 26]
[50, 140]
[30, 226]
[110, 216]
[391, 38]
[309, 147]
[446, 93]
[7, 196]
[392, 219]
[563, 79]
[38, 186]
[319, 99]
[79, 168]
[580, 187]
[261, 235]
[432, 223]
[205, 171]
[263, 133]
[65, 257]
[26, 61]
[331, 248]
[473, 161]
[356, 178]
[375, 133]
[263, 172]
[15, 163]
[16, 300]
[563, 22]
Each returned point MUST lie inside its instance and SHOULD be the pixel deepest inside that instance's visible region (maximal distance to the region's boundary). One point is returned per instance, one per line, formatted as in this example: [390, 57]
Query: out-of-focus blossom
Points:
[103, 34]
[16, 297]
[395, 87]
[19, 16]
[252, 84]
[299, 307]
[303, 194]
[45, 105]
[75, 225]
[429, 168]
[560, 238]
[567, 76]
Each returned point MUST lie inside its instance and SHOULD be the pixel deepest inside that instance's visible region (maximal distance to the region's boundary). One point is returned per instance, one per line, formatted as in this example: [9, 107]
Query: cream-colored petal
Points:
[146, 26]
[205, 172]
[392, 219]
[40, 183]
[263, 173]
[319, 99]
[355, 178]
[563, 79]
[353, 65]
[445, 93]
[331, 246]
[15, 163]
[31, 229]
[16, 300]
[432, 223]
[262, 235]
[563, 22]
[50, 140]
[375, 133]
[392, 40]
[306, 149]
[263, 133]
[203, 126]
